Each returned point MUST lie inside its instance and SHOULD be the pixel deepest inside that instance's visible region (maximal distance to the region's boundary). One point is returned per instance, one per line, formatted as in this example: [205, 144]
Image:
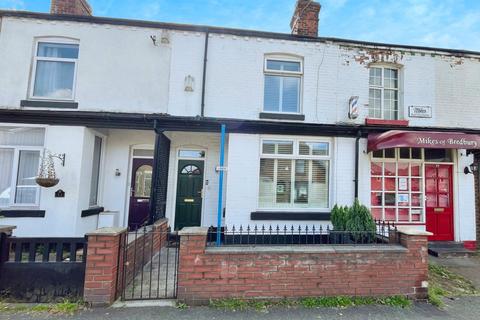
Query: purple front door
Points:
[140, 192]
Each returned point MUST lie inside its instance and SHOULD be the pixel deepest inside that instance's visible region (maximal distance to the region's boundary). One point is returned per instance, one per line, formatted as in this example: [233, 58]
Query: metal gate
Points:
[150, 264]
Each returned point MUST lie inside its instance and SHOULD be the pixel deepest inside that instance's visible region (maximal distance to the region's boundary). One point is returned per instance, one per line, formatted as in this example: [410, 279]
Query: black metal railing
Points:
[301, 235]
[24, 250]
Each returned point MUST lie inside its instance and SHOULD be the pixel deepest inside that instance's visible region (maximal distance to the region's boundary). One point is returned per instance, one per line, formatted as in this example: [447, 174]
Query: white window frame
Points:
[36, 58]
[13, 181]
[382, 89]
[284, 73]
[296, 156]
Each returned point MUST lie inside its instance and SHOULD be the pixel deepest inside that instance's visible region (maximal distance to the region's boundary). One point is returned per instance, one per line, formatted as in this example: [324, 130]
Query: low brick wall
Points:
[300, 271]
[106, 255]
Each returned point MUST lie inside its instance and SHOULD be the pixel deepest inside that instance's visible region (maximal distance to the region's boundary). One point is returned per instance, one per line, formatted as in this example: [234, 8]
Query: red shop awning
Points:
[422, 139]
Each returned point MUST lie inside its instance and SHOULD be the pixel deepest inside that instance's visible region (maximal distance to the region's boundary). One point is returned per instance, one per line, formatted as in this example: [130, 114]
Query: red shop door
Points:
[439, 201]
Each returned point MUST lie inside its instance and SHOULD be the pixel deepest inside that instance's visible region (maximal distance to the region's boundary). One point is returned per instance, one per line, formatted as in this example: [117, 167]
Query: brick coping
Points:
[193, 231]
[305, 249]
[411, 231]
[107, 232]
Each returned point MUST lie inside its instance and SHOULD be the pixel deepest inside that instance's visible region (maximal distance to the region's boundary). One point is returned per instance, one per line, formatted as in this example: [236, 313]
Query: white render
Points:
[121, 70]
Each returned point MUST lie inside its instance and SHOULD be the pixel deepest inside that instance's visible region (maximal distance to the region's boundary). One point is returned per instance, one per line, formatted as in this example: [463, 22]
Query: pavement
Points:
[468, 267]
[462, 309]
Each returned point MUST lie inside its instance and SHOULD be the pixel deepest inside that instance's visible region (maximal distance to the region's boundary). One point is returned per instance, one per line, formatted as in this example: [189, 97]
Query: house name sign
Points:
[420, 111]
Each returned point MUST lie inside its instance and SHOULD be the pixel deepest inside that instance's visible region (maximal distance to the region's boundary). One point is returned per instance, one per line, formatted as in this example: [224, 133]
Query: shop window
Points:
[397, 191]
[397, 185]
[438, 155]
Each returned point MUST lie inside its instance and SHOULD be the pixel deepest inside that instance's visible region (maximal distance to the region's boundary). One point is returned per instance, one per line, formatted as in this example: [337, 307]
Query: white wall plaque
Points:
[420, 111]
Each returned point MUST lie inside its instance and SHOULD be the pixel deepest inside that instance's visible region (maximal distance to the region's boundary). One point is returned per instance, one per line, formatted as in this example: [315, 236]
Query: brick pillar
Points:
[416, 241]
[102, 268]
[193, 241]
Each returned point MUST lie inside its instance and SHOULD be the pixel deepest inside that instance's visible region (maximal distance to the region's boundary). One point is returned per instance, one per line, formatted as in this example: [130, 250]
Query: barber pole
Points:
[353, 107]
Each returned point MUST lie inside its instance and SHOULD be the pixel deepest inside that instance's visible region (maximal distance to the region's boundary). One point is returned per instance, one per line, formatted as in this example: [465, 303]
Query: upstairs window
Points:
[55, 66]
[383, 95]
[282, 86]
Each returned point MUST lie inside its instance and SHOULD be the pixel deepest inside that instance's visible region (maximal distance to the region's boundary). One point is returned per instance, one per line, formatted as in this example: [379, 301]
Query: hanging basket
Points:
[46, 182]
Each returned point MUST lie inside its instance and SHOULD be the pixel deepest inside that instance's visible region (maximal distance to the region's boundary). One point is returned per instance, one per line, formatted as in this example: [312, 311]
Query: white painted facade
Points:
[121, 70]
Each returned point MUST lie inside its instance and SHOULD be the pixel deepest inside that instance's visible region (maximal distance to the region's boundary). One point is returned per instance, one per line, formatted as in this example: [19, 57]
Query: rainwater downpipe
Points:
[204, 75]
[357, 162]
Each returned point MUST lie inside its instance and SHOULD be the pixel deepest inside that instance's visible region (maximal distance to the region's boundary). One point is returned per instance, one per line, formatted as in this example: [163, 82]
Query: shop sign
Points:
[420, 111]
[423, 139]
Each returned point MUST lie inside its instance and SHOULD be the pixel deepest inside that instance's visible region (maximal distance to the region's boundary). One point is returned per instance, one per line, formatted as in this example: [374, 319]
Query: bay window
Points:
[54, 70]
[294, 174]
[20, 149]
[282, 86]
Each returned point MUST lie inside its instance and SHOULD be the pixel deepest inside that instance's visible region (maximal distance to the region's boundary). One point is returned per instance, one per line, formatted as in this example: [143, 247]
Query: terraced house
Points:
[132, 113]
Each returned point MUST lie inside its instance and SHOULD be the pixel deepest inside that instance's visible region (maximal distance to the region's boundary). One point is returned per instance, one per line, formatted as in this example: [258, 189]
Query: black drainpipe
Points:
[357, 155]
[204, 76]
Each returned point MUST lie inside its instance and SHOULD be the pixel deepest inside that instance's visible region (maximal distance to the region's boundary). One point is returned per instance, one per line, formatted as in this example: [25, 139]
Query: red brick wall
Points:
[205, 275]
[73, 7]
[305, 18]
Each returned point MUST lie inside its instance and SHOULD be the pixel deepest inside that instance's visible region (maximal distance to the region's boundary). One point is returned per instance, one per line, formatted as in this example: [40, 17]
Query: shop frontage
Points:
[421, 179]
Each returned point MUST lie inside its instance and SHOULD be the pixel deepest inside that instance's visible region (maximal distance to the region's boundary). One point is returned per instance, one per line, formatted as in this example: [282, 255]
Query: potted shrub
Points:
[360, 223]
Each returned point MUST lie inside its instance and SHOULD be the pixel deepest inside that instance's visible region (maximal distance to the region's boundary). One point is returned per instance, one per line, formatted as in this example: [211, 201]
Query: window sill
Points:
[22, 213]
[380, 122]
[290, 215]
[49, 104]
[281, 116]
[92, 211]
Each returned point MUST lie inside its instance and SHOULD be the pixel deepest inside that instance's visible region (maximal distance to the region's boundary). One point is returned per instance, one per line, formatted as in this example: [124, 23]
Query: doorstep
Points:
[448, 249]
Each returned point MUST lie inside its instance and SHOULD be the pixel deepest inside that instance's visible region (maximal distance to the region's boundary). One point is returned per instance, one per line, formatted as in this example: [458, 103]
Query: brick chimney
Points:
[73, 7]
[305, 18]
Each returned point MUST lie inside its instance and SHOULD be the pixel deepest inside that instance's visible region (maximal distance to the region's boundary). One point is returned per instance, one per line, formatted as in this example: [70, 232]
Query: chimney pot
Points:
[305, 18]
[73, 7]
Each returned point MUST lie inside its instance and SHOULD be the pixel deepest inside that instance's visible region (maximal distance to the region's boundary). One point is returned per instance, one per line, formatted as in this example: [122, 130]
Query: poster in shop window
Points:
[402, 184]
[403, 199]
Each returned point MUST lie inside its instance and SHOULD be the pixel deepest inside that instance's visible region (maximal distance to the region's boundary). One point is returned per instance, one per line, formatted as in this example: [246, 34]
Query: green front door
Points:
[188, 210]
